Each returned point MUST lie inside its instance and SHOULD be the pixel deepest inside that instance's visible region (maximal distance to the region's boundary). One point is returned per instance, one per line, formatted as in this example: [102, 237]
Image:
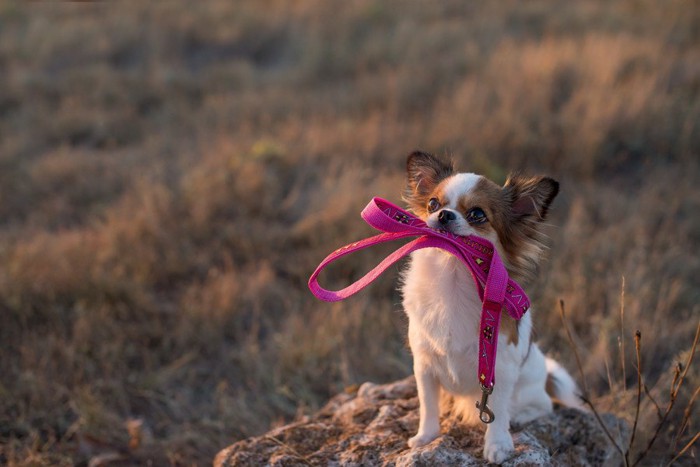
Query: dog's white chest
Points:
[443, 307]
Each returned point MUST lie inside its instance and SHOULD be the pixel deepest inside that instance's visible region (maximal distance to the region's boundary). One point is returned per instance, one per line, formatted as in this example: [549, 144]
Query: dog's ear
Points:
[424, 171]
[530, 197]
[527, 200]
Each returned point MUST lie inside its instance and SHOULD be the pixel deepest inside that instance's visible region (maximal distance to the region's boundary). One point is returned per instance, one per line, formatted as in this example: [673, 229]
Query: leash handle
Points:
[476, 253]
[368, 278]
[337, 295]
[396, 224]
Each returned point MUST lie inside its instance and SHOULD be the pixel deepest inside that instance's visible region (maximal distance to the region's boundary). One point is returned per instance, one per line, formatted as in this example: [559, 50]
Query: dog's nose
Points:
[446, 216]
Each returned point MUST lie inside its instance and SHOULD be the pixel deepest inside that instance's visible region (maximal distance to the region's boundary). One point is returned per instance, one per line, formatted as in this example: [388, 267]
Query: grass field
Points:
[171, 174]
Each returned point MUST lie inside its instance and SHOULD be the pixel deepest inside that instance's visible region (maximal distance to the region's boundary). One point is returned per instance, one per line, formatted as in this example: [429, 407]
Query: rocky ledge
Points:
[371, 427]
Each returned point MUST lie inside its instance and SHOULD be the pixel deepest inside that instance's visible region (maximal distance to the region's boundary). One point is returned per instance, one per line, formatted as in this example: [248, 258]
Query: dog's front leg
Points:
[429, 399]
[498, 442]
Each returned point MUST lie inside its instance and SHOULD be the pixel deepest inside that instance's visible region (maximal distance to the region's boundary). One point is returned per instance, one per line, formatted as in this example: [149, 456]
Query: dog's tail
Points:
[561, 386]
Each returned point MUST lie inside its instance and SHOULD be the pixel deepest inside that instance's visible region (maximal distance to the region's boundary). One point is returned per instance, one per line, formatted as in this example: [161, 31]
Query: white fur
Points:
[460, 183]
[444, 311]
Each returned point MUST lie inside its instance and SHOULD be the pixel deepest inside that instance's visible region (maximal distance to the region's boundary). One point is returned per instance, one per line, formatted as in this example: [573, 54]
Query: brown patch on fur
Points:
[488, 196]
[511, 327]
[439, 193]
[425, 172]
[551, 386]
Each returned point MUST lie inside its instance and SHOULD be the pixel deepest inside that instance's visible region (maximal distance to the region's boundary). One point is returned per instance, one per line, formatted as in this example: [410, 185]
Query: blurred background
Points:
[172, 172]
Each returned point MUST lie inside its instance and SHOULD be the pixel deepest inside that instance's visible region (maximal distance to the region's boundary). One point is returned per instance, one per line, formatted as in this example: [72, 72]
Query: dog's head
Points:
[468, 204]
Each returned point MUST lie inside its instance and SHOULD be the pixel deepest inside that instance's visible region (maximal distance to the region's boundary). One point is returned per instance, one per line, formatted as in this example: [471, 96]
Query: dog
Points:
[444, 308]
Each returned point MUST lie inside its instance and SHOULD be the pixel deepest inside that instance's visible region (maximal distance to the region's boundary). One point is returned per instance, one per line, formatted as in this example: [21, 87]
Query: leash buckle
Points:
[485, 414]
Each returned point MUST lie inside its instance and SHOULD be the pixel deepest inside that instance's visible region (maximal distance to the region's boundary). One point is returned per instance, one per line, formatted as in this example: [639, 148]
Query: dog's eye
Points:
[433, 205]
[476, 216]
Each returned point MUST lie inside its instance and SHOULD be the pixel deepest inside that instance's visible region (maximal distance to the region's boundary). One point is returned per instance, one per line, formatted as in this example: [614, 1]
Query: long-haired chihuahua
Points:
[444, 309]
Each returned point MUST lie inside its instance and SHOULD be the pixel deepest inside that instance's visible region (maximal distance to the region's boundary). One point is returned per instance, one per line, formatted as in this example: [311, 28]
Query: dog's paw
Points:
[499, 449]
[421, 439]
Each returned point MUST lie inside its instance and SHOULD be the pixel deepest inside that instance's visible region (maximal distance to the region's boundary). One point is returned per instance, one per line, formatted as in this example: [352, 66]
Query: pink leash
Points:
[496, 290]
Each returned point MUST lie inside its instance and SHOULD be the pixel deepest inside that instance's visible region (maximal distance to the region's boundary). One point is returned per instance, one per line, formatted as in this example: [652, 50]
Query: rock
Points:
[372, 427]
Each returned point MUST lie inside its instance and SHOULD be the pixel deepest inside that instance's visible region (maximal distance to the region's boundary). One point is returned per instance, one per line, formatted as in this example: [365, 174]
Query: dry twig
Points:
[686, 417]
[685, 448]
[585, 398]
[676, 384]
[651, 398]
[637, 346]
[621, 339]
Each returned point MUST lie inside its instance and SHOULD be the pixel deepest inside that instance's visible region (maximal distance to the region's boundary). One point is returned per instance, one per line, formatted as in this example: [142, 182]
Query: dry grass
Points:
[170, 175]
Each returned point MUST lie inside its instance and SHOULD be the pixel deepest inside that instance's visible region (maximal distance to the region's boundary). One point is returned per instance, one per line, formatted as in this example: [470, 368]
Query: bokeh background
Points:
[172, 172]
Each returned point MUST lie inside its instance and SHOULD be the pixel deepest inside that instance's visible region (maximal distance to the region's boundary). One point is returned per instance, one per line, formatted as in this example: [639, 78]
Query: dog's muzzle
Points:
[446, 216]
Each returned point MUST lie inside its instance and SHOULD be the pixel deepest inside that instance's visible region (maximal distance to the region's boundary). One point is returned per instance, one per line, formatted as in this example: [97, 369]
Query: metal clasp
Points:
[485, 414]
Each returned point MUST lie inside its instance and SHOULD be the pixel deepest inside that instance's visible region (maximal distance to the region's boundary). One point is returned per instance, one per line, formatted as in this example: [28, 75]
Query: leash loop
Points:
[485, 414]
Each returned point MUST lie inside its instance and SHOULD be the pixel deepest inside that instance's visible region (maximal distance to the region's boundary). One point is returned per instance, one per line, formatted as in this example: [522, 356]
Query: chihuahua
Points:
[444, 308]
